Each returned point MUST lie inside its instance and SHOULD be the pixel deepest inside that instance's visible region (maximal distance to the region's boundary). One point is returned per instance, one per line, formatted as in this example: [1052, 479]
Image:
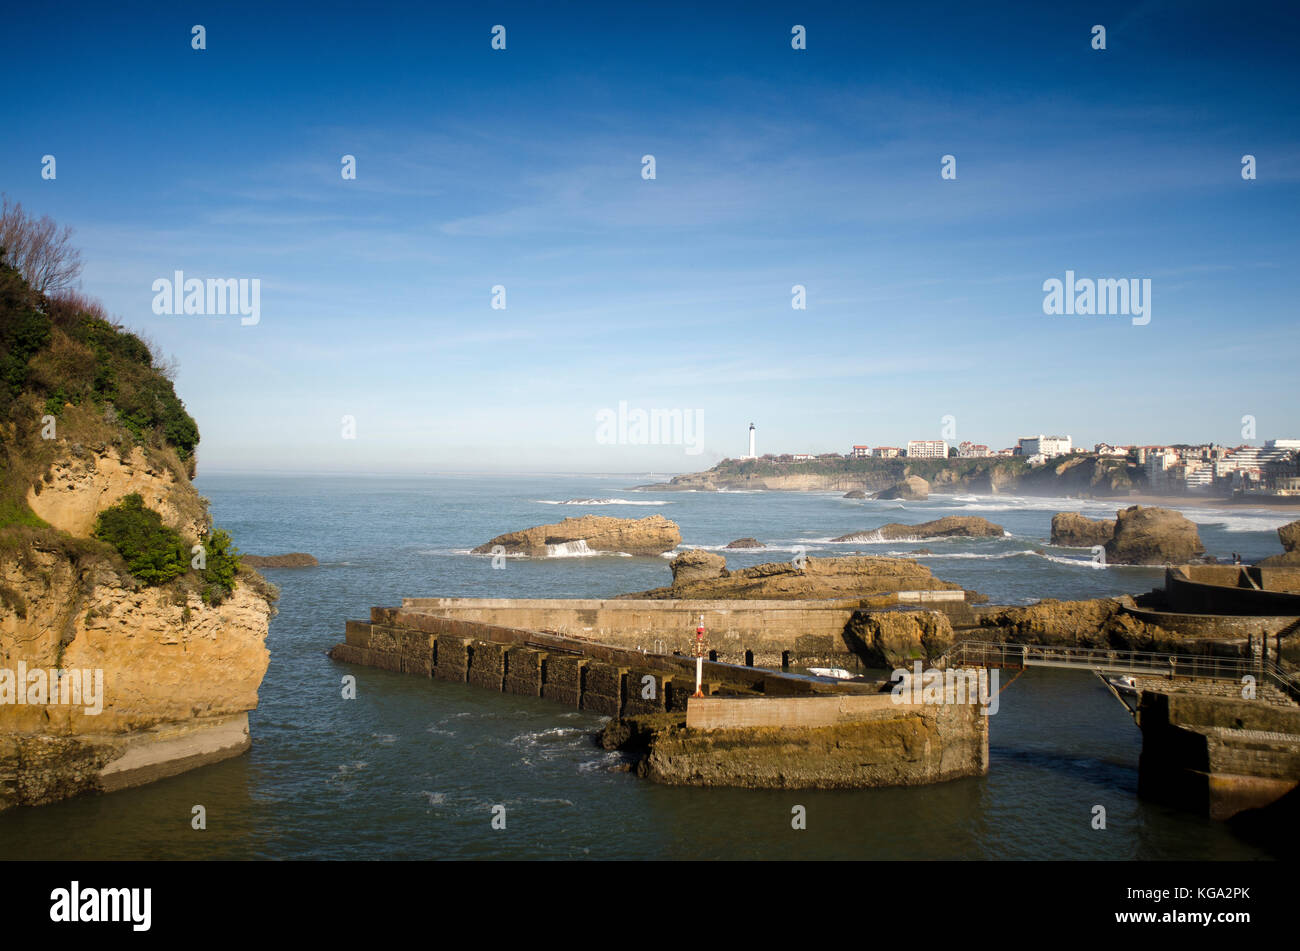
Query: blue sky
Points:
[775, 167]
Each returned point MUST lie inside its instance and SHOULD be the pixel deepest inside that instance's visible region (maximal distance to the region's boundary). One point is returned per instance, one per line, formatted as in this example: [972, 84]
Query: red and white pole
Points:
[699, 658]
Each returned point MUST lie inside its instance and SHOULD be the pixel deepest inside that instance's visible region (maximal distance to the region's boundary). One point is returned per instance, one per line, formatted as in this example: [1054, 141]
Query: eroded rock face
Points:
[1076, 531]
[811, 578]
[162, 666]
[1289, 536]
[652, 535]
[81, 485]
[695, 565]
[1100, 622]
[1148, 535]
[965, 526]
[913, 488]
[892, 639]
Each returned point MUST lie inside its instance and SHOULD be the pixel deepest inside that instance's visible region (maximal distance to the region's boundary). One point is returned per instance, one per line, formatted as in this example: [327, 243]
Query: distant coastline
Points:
[1078, 476]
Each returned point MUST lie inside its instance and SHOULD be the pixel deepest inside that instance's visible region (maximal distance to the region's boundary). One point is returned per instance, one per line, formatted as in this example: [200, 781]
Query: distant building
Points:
[1047, 446]
[970, 450]
[1282, 444]
[886, 452]
[927, 449]
[1105, 449]
[861, 452]
[803, 457]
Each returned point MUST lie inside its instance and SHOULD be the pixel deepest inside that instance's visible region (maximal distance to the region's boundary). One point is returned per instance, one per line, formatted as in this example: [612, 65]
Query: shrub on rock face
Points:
[153, 552]
[220, 567]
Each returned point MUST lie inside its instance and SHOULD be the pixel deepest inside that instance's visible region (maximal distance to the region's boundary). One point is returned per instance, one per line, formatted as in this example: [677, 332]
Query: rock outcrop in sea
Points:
[745, 543]
[1073, 530]
[950, 526]
[652, 535]
[1289, 536]
[1148, 535]
[704, 575]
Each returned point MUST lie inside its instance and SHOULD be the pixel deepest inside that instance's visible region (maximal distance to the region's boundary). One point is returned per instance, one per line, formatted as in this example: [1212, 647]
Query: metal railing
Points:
[1105, 660]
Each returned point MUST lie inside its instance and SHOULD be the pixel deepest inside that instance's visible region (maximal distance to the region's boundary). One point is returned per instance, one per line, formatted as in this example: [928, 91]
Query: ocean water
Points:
[414, 768]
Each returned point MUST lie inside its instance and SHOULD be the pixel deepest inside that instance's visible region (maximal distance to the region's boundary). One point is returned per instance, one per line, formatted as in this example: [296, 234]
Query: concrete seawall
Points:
[763, 633]
[757, 727]
[1216, 755]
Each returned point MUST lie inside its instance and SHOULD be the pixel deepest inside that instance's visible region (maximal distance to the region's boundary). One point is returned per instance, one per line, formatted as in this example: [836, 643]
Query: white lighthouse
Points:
[752, 453]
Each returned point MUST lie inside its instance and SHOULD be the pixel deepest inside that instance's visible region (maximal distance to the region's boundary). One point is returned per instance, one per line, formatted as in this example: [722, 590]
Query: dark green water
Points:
[413, 768]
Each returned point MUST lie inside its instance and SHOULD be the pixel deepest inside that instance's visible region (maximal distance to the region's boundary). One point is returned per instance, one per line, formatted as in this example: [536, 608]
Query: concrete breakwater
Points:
[1217, 755]
[757, 728]
[762, 633]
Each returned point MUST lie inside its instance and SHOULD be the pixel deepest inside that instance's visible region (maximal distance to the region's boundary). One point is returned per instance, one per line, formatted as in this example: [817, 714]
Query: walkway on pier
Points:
[1120, 662]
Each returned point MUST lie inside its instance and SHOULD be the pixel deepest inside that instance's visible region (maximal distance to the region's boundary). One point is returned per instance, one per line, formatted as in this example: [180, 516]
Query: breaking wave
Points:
[598, 502]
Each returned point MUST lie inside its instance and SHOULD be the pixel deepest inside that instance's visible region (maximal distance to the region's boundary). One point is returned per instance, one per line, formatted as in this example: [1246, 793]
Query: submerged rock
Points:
[855, 494]
[294, 559]
[966, 526]
[652, 535]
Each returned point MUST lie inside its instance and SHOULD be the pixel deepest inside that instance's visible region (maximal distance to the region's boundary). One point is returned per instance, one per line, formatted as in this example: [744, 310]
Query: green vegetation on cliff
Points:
[75, 386]
[1075, 474]
[153, 552]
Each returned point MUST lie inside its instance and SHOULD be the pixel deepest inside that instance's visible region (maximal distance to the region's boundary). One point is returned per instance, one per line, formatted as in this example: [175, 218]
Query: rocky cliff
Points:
[1083, 474]
[122, 660]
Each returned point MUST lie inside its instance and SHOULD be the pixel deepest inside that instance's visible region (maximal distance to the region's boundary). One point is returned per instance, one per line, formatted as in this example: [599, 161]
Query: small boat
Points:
[839, 673]
[1124, 684]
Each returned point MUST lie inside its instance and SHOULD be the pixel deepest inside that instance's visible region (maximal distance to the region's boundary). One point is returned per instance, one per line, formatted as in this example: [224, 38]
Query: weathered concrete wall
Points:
[790, 732]
[1216, 755]
[870, 741]
[804, 631]
[1225, 589]
[724, 713]
[762, 633]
